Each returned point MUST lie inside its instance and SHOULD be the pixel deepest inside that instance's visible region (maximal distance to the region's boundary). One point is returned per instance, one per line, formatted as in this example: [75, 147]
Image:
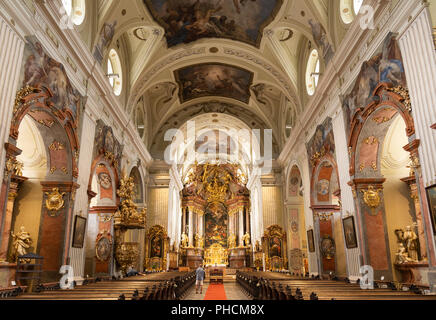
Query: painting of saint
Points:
[310, 241]
[275, 247]
[186, 21]
[105, 180]
[216, 228]
[215, 79]
[156, 248]
[350, 232]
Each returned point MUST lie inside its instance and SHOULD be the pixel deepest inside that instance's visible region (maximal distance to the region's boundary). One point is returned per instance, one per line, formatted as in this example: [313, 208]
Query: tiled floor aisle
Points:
[233, 292]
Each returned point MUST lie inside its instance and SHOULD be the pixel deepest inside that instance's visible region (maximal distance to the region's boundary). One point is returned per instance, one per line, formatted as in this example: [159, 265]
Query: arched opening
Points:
[30, 192]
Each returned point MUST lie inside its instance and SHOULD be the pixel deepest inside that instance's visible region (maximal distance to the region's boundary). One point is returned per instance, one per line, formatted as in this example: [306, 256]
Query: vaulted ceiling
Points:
[241, 58]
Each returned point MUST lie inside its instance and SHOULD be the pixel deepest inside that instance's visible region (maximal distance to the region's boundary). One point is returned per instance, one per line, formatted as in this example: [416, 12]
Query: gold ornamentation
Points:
[361, 167]
[54, 201]
[216, 255]
[128, 215]
[324, 216]
[374, 166]
[64, 170]
[56, 146]
[231, 241]
[371, 140]
[127, 254]
[371, 197]
[317, 156]
[199, 241]
[20, 95]
[404, 93]
[52, 170]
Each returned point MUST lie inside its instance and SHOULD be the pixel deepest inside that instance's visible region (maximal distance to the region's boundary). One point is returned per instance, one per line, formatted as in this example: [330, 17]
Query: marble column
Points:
[83, 194]
[241, 226]
[11, 58]
[347, 200]
[419, 57]
[201, 225]
[7, 223]
[191, 228]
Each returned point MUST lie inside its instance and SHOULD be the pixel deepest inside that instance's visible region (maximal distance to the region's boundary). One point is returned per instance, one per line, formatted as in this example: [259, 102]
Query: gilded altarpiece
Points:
[274, 247]
[156, 249]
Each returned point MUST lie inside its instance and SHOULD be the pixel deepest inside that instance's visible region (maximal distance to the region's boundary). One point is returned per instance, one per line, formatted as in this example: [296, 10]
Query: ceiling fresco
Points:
[186, 21]
[214, 79]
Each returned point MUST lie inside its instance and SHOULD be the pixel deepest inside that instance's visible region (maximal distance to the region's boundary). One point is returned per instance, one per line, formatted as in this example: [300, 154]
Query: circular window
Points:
[114, 72]
[312, 72]
[75, 9]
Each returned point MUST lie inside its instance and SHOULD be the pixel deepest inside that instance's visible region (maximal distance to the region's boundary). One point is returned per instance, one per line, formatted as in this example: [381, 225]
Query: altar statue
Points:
[409, 240]
[22, 242]
[199, 241]
[257, 246]
[246, 240]
[401, 255]
[185, 241]
[232, 241]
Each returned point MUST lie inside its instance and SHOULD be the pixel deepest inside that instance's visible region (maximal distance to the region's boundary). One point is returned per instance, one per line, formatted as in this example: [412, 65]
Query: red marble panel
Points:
[368, 153]
[51, 241]
[58, 157]
[42, 117]
[376, 241]
[384, 115]
[325, 228]
[323, 184]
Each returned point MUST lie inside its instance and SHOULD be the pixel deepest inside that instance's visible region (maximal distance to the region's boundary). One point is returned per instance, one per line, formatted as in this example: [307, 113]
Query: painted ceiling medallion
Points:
[186, 21]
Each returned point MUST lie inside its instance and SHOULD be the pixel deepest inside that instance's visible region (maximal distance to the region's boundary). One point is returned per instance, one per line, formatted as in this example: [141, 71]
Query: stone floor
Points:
[233, 292]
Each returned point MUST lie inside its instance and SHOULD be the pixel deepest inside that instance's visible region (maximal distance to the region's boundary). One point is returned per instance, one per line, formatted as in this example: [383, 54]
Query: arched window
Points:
[312, 72]
[350, 9]
[114, 72]
[75, 9]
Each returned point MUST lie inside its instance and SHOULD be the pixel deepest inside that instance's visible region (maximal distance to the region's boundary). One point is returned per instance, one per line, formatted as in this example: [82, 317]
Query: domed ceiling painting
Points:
[186, 21]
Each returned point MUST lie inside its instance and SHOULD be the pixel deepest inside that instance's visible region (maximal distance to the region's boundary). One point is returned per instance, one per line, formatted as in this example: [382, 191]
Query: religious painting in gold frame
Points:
[350, 232]
[310, 241]
[431, 195]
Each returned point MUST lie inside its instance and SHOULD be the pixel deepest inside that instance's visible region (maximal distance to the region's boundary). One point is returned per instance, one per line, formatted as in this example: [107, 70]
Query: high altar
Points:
[215, 218]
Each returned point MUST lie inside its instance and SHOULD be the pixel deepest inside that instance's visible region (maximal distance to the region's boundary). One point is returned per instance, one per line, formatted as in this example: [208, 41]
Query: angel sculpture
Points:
[185, 241]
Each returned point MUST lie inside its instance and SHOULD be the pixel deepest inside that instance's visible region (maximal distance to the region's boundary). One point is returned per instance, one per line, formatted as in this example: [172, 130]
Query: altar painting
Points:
[216, 228]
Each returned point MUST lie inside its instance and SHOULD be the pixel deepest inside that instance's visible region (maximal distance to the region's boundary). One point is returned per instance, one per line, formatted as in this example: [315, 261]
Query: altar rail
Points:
[287, 287]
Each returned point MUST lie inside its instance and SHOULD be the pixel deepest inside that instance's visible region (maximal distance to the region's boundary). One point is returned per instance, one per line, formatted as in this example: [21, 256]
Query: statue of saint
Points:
[401, 255]
[246, 240]
[185, 241]
[411, 240]
[232, 241]
[257, 246]
[22, 242]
